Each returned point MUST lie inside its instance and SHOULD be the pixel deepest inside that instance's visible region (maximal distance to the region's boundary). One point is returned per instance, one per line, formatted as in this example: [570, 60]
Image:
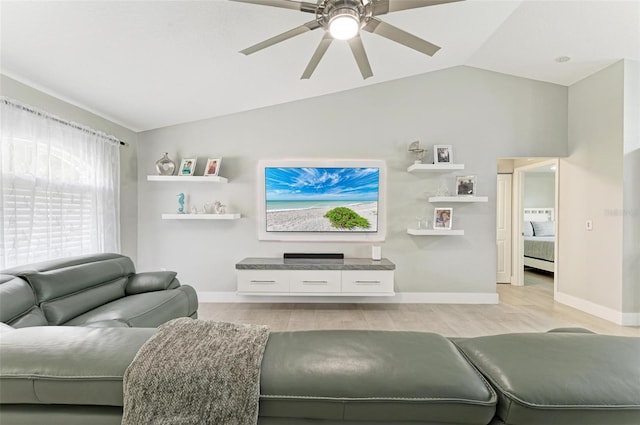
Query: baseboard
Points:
[630, 319]
[398, 298]
[617, 317]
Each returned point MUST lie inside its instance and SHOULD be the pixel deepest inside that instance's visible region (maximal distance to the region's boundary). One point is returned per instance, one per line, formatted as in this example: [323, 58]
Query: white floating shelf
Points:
[435, 232]
[234, 216]
[434, 168]
[208, 179]
[459, 199]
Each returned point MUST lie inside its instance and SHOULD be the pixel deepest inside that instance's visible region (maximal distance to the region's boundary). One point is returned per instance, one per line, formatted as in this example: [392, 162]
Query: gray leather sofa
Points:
[73, 375]
[101, 290]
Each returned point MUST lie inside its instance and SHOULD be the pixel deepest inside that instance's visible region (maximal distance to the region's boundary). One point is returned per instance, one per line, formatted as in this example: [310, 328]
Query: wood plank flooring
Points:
[529, 308]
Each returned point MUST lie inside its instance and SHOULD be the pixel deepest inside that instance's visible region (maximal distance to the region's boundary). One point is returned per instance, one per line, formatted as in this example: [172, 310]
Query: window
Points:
[59, 189]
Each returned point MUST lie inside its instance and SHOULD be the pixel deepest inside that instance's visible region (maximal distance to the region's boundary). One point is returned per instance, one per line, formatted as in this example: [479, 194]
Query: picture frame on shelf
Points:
[442, 154]
[213, 167]
[187, 166]
[442, 218]
[466, 186]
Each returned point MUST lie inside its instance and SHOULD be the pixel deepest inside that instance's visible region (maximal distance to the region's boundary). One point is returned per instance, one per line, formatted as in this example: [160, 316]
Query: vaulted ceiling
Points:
[149, 64]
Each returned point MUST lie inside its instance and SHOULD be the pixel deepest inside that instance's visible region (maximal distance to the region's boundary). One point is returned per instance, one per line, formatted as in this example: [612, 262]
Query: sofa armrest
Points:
[151, 281]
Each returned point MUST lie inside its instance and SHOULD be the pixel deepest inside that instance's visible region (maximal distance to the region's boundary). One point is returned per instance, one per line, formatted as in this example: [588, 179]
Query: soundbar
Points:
[314, 255]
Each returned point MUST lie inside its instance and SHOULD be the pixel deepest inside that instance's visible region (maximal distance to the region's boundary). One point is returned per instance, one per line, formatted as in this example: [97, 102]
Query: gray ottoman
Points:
[370, 376]
[561, 378]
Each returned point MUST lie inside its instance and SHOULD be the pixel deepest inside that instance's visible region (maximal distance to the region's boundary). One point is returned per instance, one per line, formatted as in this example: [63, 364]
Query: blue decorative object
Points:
[181, 202]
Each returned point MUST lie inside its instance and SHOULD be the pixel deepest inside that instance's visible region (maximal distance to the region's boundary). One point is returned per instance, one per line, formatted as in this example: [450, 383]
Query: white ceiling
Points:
[149, 64]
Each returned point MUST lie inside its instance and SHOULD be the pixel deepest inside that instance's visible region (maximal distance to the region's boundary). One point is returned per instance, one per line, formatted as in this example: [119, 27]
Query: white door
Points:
[503, 227]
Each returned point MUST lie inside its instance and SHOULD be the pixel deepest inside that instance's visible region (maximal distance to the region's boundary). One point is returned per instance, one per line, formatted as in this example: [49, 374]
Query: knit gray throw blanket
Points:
[196, 372]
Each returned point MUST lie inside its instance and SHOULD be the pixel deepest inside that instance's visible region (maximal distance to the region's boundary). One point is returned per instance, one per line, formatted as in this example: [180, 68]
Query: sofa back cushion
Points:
[18, 303]
[67, 288]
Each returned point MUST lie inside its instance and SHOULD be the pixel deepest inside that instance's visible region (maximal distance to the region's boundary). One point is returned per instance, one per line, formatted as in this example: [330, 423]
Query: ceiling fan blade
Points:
[285, 4]
[357, 48]
[382, 7]
[385, 30]
[317, 56]
[309, 26]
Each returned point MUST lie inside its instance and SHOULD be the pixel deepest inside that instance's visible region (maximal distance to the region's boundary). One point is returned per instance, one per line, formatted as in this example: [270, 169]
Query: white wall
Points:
[631, 208]
[128, 154]
[591, 188]
[539, 190]
[484, 115]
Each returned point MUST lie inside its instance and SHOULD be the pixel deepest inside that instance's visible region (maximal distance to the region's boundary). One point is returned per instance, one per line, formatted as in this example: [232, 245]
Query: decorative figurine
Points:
[419, 153]
[219, 208]
[181, 202]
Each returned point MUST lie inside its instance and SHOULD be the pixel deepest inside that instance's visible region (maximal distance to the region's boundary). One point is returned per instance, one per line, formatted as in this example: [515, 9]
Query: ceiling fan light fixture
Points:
[344, 24]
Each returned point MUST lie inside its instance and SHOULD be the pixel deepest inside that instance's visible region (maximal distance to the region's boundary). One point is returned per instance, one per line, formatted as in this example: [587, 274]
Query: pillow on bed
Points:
[527, 229]
[544, 228]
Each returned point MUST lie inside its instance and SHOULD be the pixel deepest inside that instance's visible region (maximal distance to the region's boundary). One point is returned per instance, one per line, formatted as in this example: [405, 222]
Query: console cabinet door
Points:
[372, 281]
[256, 281]
[315, 281]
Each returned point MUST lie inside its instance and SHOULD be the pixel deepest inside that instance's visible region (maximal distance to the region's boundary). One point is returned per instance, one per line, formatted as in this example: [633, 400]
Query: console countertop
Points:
[254, 263]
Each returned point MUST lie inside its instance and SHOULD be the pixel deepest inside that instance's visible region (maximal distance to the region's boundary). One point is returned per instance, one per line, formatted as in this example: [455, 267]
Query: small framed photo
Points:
[442, 218]
[213, 167]
[187, 166]
[466, 186]
[442, 154]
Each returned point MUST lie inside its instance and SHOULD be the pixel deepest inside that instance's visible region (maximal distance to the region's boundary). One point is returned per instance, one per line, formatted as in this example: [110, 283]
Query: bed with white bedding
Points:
[539, 238]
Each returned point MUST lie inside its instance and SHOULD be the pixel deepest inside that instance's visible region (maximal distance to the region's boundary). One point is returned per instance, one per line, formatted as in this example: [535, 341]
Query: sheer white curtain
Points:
[59, 187]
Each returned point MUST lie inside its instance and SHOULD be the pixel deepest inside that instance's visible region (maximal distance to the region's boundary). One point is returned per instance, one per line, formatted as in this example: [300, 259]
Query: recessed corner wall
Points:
[591, 188]
[484, 115]
[631, 208]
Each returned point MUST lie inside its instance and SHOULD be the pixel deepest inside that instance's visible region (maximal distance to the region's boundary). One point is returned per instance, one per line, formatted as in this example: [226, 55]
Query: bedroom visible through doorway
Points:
[533, 210]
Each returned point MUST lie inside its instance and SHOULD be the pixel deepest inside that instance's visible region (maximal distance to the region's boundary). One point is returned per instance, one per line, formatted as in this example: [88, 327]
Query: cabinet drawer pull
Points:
[368, 282]
[263, 281]
[314, 282]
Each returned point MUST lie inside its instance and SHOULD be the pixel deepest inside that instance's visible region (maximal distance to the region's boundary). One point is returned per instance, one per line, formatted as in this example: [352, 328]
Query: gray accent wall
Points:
[484, 115]
[539, 190]
[128, 154]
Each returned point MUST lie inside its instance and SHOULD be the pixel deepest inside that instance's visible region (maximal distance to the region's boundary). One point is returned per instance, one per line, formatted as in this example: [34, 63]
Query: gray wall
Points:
[128, 154]
[631, 207]
[591, 188]
[539, 190]
[484, 115]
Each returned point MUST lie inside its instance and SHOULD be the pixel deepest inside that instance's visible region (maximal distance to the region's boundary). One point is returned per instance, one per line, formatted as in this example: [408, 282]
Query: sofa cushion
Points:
[17, 303]
[561, 378]
[371, 376]
[150, 309]
[67, 365]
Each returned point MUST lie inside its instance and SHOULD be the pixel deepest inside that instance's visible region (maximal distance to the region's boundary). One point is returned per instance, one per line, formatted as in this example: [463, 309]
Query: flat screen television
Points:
[321, 200]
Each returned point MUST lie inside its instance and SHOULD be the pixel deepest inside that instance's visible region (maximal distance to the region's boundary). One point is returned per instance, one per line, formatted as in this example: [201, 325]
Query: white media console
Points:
[315, 277]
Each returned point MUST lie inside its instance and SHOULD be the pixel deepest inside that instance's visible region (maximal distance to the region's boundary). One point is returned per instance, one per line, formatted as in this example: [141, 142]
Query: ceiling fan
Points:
[343, 20]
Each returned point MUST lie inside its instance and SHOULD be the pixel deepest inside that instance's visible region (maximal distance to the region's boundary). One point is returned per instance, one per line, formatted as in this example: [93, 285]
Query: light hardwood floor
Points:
[521, 309]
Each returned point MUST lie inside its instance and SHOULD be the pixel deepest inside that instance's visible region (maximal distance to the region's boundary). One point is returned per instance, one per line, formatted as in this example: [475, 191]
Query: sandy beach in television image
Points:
[314, 220]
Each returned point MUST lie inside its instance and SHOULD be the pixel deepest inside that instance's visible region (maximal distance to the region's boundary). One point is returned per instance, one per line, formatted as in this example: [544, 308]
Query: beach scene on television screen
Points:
[316, 199]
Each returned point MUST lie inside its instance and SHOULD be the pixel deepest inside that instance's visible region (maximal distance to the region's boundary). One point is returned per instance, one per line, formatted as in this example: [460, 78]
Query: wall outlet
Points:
[589, 225]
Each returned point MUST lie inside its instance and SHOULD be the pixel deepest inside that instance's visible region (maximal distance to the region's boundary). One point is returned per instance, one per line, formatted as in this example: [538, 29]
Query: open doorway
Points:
[533, 225]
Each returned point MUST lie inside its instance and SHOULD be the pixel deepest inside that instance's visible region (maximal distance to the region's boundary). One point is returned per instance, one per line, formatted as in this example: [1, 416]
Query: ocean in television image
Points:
[314, 199]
